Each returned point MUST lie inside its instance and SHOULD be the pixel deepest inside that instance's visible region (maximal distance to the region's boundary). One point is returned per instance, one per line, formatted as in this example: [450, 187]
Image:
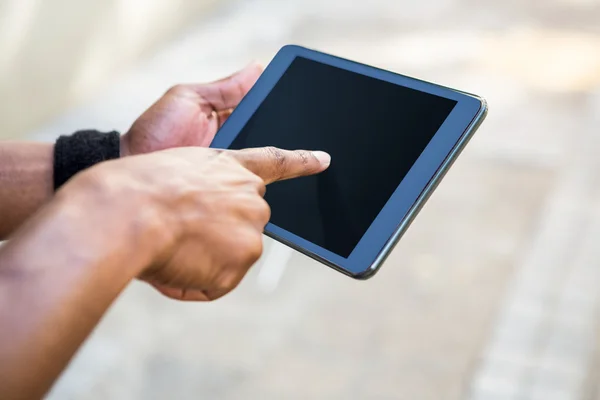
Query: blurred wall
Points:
[55, 53]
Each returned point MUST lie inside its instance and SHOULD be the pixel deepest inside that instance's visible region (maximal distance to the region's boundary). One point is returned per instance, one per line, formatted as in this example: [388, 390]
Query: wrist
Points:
[124, 145]
[98, 234]
[114, 218]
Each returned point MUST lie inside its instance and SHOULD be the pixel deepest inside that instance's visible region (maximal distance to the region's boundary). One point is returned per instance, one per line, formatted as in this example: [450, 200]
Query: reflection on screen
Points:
[374, 131]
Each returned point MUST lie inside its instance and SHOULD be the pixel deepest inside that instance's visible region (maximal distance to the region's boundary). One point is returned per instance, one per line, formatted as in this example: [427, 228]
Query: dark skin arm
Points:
[187, 115]
[25, 182]
[46, 316]
[188, 220]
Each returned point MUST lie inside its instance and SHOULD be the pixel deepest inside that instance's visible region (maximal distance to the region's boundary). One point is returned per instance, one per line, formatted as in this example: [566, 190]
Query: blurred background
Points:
[494, 293]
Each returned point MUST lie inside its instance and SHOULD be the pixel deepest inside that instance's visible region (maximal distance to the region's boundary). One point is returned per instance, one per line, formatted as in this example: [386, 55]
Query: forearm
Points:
[25, 182]
[58, 275]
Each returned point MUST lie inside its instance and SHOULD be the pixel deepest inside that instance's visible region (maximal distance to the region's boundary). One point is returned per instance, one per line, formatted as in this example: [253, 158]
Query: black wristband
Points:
[82, 150]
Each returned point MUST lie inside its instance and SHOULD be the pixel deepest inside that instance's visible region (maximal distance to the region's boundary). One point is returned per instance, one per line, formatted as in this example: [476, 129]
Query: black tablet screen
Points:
[374, 131]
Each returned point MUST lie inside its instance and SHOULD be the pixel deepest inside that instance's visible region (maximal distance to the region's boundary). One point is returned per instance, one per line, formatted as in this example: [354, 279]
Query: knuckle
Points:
[176, 89]
[264, 211]
[224, 155]
[255, 179]
[249, 180]
[304, 156]
[258, 184]
[277, 156]
[228, 161]
[256, 209]
[251, 249]
[228, 281]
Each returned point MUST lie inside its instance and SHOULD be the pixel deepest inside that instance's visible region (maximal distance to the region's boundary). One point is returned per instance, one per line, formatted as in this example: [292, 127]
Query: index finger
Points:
[274, 164]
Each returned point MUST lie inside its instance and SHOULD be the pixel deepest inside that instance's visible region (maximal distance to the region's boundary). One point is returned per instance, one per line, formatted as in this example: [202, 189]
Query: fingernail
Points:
[324, 158]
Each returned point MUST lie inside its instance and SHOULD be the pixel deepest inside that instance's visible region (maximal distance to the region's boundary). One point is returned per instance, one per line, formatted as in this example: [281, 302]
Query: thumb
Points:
[226, 93]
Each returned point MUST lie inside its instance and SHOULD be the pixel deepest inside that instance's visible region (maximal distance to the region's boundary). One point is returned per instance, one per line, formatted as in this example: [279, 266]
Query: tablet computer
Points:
[391, 139]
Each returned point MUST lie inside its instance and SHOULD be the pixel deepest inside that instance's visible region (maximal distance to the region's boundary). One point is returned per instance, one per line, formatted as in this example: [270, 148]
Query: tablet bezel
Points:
[409, 196]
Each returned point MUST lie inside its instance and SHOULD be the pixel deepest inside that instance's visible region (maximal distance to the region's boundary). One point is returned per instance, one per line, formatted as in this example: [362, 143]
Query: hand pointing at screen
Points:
[220, 217]
[187, 220]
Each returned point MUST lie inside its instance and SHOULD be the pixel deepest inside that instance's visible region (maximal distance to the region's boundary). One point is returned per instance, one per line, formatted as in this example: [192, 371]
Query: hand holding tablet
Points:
[391, 139]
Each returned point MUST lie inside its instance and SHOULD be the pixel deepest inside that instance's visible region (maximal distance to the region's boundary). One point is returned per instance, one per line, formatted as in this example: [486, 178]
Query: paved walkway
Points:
[493, 292]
